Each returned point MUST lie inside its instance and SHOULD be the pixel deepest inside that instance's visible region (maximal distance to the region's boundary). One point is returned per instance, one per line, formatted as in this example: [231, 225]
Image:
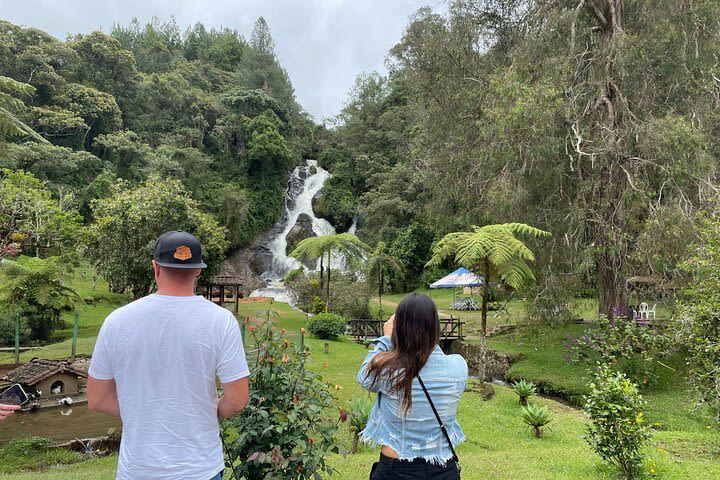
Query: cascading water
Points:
[305, 182]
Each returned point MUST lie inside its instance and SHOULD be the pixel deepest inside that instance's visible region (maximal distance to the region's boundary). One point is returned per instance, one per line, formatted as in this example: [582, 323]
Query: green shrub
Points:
[524, 390]
[624, 345]
[359, 411]
[617, 431]
[7, 327]
[536, 417]
[293, 274]
[284, 432]
[326, 326]
[318, 306]
[698, 329]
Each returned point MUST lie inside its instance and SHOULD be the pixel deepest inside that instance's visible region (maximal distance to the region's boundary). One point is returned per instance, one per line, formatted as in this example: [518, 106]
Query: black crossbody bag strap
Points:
[442, 425]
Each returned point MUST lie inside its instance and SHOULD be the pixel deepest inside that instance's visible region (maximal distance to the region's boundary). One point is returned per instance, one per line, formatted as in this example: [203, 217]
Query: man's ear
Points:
[156, 268]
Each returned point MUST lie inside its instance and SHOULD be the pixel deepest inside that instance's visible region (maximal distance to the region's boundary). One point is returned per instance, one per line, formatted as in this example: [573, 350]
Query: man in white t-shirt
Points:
[155, 364]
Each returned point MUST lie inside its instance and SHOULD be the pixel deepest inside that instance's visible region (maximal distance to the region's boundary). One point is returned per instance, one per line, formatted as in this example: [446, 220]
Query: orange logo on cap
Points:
[182, 253]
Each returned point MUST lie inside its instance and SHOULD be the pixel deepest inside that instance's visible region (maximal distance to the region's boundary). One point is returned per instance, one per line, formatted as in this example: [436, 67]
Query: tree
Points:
[348, 245]
[493, 251]
[36, 287]
[128, 222]
[30, 217]
[379, 264]
[698, 327]
[10, 125]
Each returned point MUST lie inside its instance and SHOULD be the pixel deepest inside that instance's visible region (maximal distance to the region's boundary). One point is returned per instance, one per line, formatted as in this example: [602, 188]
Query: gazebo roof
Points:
[38, 369]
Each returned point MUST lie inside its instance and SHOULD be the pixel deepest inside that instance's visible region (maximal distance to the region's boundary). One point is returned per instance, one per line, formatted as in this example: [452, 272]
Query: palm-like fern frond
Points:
[491, 250]
[11, 125]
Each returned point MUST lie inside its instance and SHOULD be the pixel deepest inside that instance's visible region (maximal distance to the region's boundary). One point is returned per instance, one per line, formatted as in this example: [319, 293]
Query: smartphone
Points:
[15, 395]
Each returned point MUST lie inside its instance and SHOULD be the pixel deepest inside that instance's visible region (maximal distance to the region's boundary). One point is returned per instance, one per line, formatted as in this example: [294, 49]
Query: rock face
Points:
[299, 232]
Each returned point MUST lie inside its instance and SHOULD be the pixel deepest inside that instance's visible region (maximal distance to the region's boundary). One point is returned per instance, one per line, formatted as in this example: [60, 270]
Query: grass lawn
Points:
[499, 446]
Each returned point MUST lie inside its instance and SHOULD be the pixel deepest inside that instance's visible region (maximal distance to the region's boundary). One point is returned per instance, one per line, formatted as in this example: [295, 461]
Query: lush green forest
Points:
[203, 107]
[603, 131]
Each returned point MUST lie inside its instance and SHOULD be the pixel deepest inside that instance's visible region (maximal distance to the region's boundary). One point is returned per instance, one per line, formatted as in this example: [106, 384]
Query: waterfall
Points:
[305, 182]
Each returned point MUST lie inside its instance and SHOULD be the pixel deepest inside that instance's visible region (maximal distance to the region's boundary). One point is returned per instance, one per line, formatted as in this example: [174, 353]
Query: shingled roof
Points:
[38, 369]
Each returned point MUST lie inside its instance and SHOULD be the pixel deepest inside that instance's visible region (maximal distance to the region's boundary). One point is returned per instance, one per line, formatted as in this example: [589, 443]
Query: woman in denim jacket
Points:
[402, 420]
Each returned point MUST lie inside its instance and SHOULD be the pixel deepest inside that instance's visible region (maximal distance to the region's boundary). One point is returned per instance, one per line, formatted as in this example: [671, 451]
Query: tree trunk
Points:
[483, 330]
[322, 272]
[485, 296]
[611, 184]
[380, 292]
[327, 285]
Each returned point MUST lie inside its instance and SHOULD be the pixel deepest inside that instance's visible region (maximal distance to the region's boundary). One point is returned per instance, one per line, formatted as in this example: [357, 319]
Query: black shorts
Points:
[417, 469]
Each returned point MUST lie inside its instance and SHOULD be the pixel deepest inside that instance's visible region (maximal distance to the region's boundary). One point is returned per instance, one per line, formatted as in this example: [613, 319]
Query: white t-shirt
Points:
[164, 353]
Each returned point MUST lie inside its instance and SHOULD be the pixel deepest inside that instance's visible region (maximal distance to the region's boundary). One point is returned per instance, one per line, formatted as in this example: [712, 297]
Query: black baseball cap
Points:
[178, 249]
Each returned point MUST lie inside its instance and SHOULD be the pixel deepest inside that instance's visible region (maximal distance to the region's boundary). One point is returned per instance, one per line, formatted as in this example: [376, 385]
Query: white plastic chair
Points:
[643, 310]
[651, 310]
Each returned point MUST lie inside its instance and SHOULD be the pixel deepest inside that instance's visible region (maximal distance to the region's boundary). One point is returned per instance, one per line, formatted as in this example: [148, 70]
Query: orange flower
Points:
[286, 343]
[251, 328]
[285, 359]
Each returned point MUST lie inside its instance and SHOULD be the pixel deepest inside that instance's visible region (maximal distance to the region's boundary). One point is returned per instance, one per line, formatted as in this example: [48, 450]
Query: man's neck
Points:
[175, 291]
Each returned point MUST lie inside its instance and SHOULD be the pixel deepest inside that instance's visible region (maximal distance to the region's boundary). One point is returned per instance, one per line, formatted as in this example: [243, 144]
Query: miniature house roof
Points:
[38, 369]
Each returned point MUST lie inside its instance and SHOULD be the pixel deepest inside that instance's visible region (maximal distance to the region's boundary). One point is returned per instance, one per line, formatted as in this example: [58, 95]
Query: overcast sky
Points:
[323, 44]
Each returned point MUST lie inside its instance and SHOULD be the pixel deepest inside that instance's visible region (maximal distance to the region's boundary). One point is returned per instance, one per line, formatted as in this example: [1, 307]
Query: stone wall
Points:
[497, 364]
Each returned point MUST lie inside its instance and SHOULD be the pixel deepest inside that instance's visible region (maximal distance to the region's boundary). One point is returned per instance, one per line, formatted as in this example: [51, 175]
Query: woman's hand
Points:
[388, 326]
[7, 410]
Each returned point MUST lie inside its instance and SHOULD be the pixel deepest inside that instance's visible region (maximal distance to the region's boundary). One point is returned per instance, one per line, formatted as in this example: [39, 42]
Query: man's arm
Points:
[234, 399]
[102, 396]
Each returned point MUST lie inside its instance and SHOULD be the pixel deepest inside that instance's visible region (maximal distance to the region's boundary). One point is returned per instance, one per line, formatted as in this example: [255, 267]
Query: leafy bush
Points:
[7, 327]
[552, 301]
[295, 273]
[699, 327]
[536, 417]
[359, 411]
[318, 306]
[624, 345]
[306, 289]
[524, 390]
[349, 297]
[617, 432]
[326, 326]
[284, 432]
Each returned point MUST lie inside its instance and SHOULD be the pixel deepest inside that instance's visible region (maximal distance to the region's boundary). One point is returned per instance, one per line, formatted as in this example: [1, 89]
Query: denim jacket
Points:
[418, 433]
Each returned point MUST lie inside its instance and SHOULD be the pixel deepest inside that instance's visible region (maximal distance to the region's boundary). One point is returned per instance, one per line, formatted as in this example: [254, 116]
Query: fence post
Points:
[75, 336]
[17, 339]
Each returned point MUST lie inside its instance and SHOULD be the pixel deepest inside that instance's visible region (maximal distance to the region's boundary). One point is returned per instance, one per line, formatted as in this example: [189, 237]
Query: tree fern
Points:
[315, 248]
[10, 124]
[492, 250]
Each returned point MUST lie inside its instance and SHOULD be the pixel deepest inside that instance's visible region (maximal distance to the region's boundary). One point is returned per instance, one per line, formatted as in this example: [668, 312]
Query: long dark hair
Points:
[415, 334]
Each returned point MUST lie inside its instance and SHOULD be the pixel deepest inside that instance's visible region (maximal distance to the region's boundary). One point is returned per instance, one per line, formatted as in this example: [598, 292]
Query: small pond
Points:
[59, 424]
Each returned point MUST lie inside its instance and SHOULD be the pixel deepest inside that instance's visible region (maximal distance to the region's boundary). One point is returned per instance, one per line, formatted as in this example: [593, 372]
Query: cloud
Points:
[323, 44]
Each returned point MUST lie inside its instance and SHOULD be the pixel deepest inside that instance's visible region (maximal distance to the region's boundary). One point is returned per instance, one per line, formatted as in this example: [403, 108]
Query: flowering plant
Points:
[623, 344]
[284, 432]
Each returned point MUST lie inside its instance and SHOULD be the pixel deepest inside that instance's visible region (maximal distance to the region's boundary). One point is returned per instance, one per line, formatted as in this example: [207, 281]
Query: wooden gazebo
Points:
[225, 290]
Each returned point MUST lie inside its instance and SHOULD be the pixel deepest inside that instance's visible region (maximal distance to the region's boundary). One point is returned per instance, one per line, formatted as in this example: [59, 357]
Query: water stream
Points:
[59, 424]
